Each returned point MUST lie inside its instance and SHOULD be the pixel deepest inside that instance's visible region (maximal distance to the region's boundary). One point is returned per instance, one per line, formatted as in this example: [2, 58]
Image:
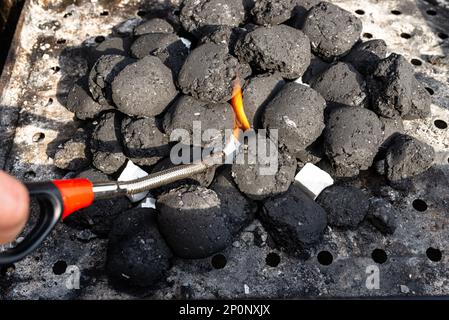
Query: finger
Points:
[14, 206]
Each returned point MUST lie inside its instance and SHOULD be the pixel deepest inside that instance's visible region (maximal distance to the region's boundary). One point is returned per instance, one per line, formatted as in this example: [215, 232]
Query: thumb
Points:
[14, 205]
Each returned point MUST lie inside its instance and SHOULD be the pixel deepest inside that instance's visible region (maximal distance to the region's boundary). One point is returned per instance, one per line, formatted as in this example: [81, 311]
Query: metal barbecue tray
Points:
[42, 64]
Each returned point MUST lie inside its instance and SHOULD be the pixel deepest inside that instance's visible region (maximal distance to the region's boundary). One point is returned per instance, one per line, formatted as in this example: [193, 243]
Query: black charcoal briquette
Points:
[199, 15]
[279, 48]
[317, 66]
[268, 12]
[80, 102]
[346, 206]
[257, 184]
[351, 139]
[407, 157]
[382, 215]
[166, 46]
[137, 254]
[238, 210]
[312, 154]
[294, 220]
[103, 73]
[421, 101]
[297, 113]
[341, 84]
[396, 92]
[300, 11]
[332, 30]
[209, 71]
[154, 25]
[187, 112]
[258, 91]
[144, 88]
[143, 141]
[193, 222]
[223, 35]
[105, 144]
[365, 55]
[391, 86]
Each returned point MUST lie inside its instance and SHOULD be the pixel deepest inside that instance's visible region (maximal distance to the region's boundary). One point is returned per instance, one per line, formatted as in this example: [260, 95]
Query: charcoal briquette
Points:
[143, 141]
[332, 30]
[258, 91]
[239, 211]
[268, 12]
[351, 139]
[346, 206]
[209, 71]
[137, 254]
[421, 101]
[279, 48]
[105, 144]
[154, 25]
[126, 27]
[257, 185]
[223, 35]
[144, 88]
[80, 101]
[301, 10]
[297, 112]
[391, 86]
[186, 110]
[193, 222]
[382, 215]
[341, 84]
[168, 47]
[103, 73]
[407, 157]
[198, 15]
[317, 66]
[365, 56]
[294, 220]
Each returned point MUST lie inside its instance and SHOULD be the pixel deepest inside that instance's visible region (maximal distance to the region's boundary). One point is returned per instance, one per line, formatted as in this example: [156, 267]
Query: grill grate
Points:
[414, 261]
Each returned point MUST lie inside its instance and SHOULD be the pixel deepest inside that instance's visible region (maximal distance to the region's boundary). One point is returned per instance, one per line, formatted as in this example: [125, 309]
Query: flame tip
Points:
[241, 120]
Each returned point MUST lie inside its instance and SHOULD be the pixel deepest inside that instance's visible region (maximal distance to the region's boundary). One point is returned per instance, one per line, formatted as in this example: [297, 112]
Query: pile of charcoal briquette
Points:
[336, 101]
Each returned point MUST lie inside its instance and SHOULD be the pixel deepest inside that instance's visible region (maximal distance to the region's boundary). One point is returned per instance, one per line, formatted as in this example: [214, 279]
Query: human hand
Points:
[14, 207]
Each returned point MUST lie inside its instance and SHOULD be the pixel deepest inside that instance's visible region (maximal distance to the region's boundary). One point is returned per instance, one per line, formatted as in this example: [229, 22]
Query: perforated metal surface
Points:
[31, 91]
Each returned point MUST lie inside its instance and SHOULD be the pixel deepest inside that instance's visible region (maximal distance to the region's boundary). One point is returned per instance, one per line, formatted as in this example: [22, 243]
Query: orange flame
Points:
[240, 119]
